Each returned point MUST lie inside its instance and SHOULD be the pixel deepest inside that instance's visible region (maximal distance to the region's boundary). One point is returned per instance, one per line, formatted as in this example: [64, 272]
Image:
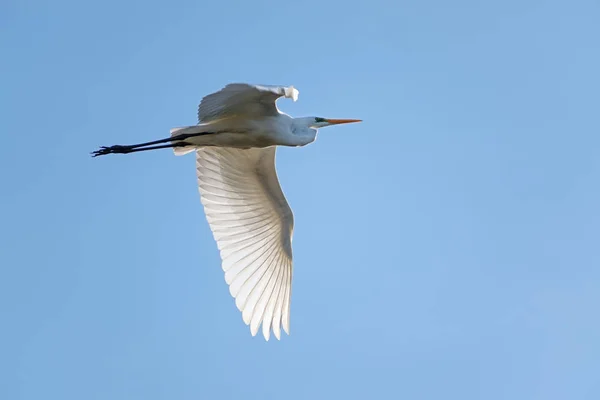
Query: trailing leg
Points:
[126, 149]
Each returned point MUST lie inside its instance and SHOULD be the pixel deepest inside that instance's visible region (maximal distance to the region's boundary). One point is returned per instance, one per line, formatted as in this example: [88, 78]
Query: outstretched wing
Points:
[252, 224]
[243, 99]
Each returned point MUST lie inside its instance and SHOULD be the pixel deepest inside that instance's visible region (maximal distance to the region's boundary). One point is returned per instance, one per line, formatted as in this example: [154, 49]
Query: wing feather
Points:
[252, 224]
[243, 99]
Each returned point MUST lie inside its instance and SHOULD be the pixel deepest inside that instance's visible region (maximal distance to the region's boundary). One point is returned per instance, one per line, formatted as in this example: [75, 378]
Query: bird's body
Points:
[243, 133]
[235, 141]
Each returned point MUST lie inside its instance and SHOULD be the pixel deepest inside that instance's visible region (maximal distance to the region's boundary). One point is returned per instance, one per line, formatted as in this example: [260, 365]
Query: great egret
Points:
[251, 221]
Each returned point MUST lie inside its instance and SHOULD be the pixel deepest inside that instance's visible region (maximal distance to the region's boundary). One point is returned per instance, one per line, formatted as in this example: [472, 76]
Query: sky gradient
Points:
[445, 248]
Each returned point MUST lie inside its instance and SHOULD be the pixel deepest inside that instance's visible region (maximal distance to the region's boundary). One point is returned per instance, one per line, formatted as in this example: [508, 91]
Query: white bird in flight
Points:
[238, 130]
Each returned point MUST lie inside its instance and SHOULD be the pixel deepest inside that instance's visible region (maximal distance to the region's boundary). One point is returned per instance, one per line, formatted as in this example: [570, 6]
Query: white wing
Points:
[243, 99]
[252, 224]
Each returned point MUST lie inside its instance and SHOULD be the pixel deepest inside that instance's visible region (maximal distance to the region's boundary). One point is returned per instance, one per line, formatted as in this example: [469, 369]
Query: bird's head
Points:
[318, 122]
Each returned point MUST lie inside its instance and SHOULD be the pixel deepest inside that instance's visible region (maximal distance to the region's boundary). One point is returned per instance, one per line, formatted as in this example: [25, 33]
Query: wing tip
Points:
[292, 93]
[266, 332]
[286, 327]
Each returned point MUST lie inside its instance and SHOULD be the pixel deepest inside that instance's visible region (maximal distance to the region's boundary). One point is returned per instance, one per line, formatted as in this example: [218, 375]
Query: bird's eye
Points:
[317, 119]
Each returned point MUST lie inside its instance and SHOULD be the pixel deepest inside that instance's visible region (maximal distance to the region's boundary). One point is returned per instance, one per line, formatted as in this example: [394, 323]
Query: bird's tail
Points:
[180, 151]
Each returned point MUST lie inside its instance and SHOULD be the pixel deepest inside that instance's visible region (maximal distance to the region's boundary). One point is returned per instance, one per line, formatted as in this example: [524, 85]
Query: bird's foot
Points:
[116, 149]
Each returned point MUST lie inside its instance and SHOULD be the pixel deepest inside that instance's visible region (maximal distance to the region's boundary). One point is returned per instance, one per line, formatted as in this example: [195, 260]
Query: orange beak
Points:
[341, 121]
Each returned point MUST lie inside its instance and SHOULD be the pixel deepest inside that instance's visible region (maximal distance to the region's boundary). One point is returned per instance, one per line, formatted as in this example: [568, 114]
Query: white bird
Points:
[238, 130]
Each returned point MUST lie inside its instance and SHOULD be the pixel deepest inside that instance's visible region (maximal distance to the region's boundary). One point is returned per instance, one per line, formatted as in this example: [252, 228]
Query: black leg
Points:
[129, 149]
[132, 148]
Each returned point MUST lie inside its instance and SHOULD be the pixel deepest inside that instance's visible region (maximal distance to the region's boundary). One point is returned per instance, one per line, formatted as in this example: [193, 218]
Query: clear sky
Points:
[446, 248]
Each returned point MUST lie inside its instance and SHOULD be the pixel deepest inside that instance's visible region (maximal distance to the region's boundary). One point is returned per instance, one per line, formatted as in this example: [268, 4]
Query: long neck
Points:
[302, 133]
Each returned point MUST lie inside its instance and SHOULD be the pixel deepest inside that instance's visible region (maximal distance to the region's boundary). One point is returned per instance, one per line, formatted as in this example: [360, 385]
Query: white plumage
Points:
[243, 99]
[252, 224]
[235, 142]
[246, 209]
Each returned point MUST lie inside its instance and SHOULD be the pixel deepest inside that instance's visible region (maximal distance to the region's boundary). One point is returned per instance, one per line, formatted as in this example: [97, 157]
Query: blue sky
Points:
[447, 247]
